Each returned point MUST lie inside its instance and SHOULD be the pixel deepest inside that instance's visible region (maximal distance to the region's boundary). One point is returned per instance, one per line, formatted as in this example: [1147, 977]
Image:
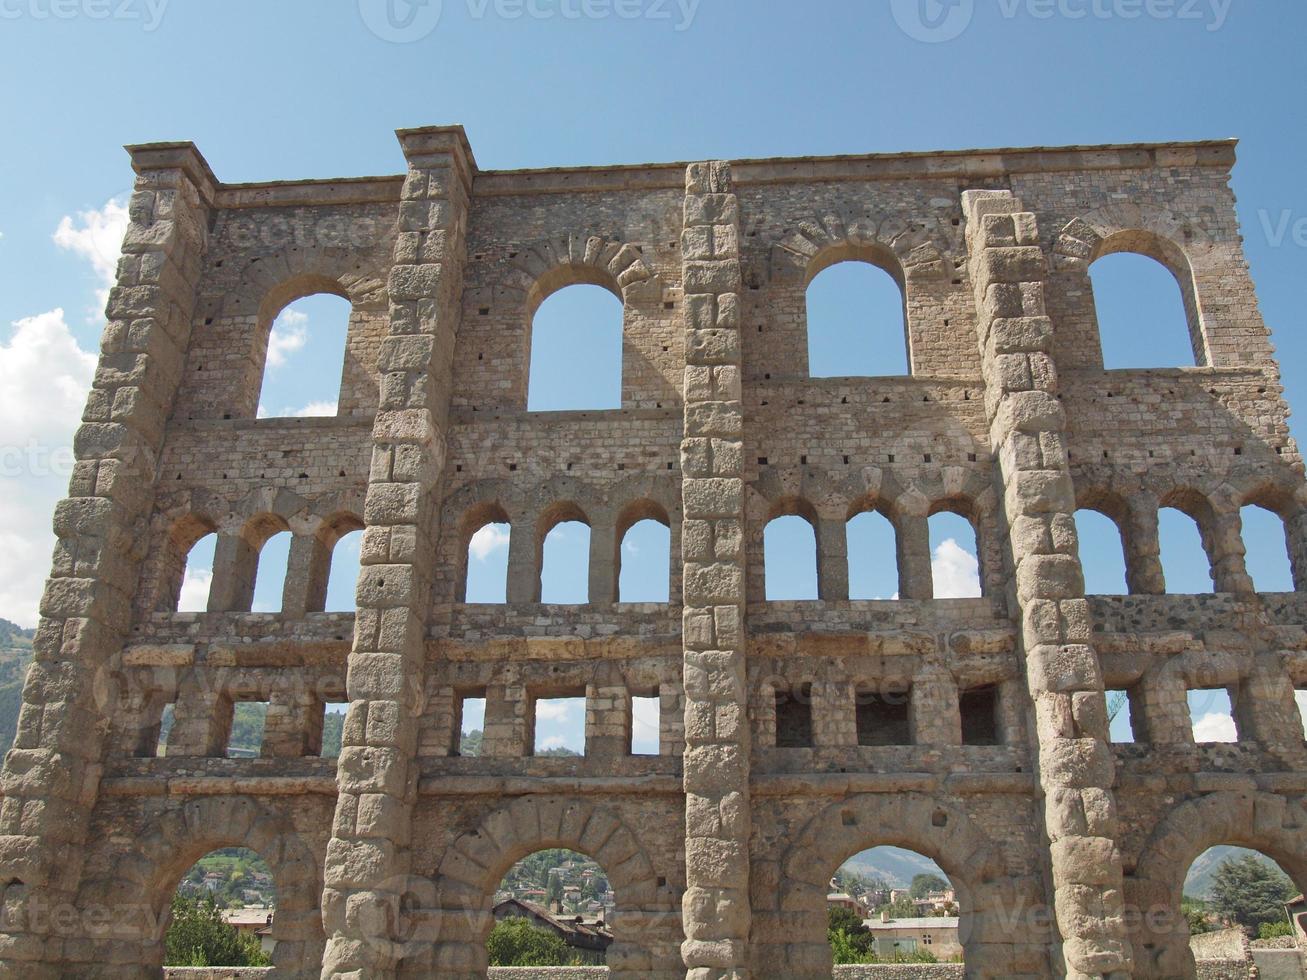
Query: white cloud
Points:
[289, 334]
[195, 590]
[491, 538]
[44, 374]
[553, 710]
[96, 236]
[956, 572]
[630, 547]
[1215, 727]
[315, 410]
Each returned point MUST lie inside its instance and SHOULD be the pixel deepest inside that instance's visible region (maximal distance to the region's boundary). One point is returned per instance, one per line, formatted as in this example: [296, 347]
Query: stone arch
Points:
[646, 926]
[904, 249]
[548, 265]
[1283, 496]
[140, 881]
[794, 912]
[1265, 822]
[1147, 230]
[472, 519]
[646, 507]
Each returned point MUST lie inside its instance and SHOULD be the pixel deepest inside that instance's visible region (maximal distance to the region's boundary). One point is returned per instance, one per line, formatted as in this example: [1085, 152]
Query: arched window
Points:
[305, 358]
[487, 532]
[873, 556]
[644, 556]
[1266, 555]
[790, 558]
[562, 885]
[856, 322]
[1184, 560]
[1102, 554]
[1233, 887]
[1145, 317]
[343, 577]
[565, 560]
[270, 579]
[576, 351]
[890, 904]
[198, 576]
[223, 912]
[954, 565]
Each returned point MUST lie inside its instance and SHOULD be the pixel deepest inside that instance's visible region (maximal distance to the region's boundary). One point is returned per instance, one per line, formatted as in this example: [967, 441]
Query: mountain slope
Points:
[15, 656]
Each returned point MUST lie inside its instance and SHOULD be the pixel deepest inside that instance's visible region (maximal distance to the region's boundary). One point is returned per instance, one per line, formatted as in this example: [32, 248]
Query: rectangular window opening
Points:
[884, 717]
[557, 724]
[1301, 696]
[469, 723]
[1211, 713]
[646, 711]
[248, 719]
[794, 717]
[154, 738]
[333, 727]
[979, 709]
[1120, 728]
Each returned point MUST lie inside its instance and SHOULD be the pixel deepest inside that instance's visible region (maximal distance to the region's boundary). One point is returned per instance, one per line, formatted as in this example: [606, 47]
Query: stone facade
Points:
[1068, 853]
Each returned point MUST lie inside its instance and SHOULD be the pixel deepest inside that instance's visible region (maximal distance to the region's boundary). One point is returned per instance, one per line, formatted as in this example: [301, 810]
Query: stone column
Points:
[51, 775]
[368, 859]
[1143, 548]
[715, 909]
[603, 561]
[1223, 539]
[307, 569]
[915, 577]
[235, 565]
[523, 564]
[1028, 435]
[832, 559]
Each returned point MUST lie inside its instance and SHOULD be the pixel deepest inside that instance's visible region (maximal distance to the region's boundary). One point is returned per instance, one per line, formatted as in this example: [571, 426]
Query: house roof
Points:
[565, 925]
[919, 922]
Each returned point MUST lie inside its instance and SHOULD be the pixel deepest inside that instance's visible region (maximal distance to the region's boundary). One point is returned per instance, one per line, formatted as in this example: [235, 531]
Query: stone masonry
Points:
[792, 734]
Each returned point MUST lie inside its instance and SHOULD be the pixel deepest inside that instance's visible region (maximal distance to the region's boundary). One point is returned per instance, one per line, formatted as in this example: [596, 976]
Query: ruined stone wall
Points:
[792, 734]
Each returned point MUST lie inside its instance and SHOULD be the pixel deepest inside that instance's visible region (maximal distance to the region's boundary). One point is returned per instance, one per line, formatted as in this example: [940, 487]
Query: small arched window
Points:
[1147, 317]
[1185, 563]
[270, 578]
[856, 322]
[305, 358]
[790, 558]
[193, 595]
[873, 556]
[565, 558]
[576, 351]
[644, 555]
[343, 575]
[954, 565]
[1266, 554]
[487, 564]
[1102, 553]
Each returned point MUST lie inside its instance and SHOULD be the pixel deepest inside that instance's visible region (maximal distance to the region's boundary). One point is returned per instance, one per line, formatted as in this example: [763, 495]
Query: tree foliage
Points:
[516, 942]
[1249, 892]
[198, 936]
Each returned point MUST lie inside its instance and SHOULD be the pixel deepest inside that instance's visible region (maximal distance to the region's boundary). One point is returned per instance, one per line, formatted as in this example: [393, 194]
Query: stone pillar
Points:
[715, 909]
[915, 578]
[51, 775]
[936, 716]
[503, 732]
[201, 717]
[607, 715]
[307, 569]
[1266, 710]
[1143, 547]
[368, 858]
[235, 565]
[293, 727]
[1295, 537]
[603, 562]
[1028, 435]
[1159, 708]
[523, 564]
[1223, 539]
[832, 559]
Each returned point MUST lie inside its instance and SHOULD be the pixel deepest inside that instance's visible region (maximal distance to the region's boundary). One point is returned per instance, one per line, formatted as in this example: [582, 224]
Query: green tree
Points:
[554, 890]
[198, 936]
[516, 942]
[850, 940]
[1195, 912]
[1248, 892]
[923, 883]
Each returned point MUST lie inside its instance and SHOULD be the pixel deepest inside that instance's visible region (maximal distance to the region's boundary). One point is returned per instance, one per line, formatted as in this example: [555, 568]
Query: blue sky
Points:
[305, 88]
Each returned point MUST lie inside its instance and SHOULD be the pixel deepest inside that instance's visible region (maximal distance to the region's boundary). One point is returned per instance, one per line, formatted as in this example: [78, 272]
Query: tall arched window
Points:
[954, 565]
[644, 555]
[342, 579]
[1102, 555]
[305, 358]
[873, 556]
[487, 564]
[270, 579]
[1185, 563]
[856, 322]
[576, 351]
[198, 577]
[790, 558]
[1145, 317]
[1266, 555]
